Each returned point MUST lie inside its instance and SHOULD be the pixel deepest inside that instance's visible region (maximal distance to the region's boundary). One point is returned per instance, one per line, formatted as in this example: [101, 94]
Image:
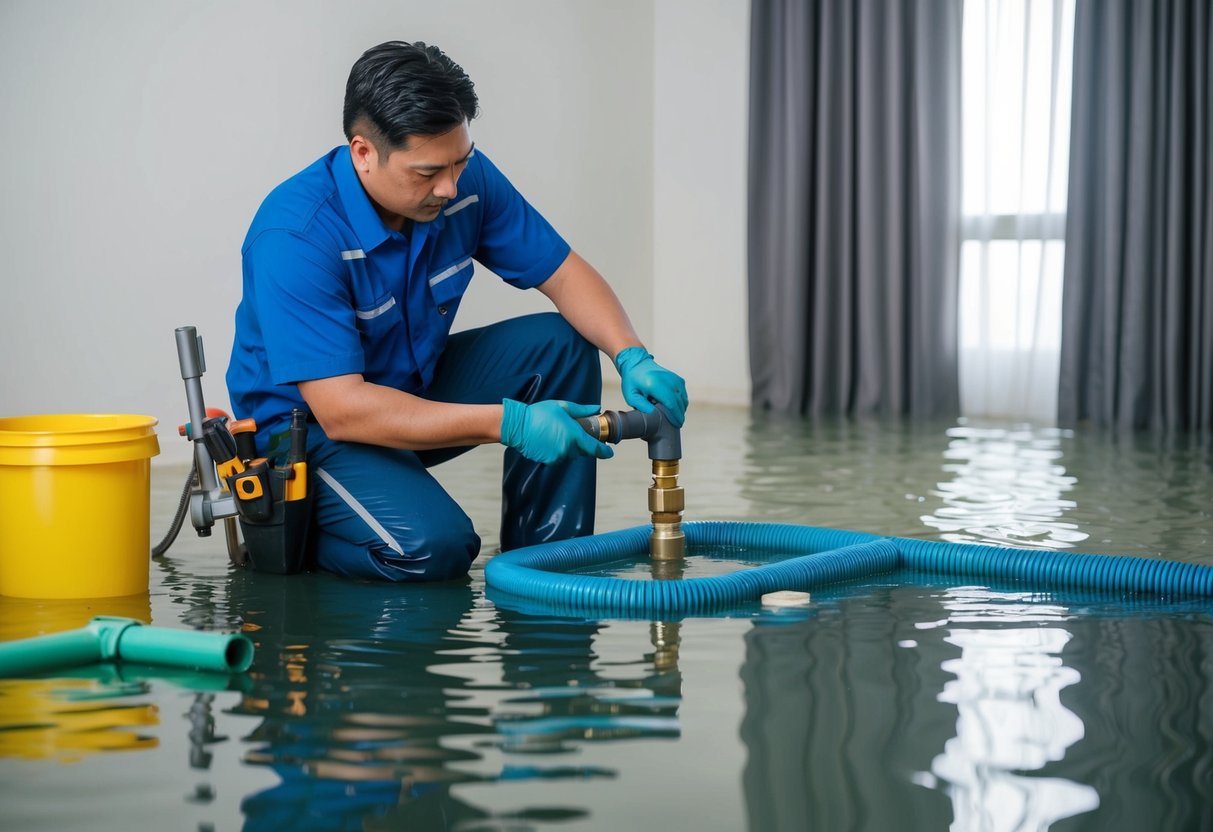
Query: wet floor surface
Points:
[901, 703]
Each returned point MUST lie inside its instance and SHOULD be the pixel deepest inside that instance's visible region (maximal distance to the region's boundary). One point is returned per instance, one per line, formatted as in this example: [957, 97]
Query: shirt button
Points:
[441, 310]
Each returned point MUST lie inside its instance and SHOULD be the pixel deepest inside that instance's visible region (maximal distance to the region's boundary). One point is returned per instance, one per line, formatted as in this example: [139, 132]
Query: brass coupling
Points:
[603, 425]
[666, 504]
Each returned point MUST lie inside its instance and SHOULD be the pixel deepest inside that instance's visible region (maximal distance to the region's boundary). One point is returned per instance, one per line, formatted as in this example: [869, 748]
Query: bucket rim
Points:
[73, 428]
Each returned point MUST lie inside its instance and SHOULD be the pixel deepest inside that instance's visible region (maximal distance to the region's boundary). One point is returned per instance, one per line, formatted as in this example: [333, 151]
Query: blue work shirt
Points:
[330, 290]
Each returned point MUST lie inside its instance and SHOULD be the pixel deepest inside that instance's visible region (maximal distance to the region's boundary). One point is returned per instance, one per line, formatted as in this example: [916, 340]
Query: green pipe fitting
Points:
[110, 638]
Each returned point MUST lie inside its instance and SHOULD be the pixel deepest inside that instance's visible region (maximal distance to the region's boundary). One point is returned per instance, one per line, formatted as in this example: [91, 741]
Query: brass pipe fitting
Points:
[604, 427]
[666, 503]
[666, 500]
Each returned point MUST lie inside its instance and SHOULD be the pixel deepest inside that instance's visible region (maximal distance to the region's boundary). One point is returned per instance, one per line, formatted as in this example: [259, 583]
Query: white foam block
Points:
[786, 598]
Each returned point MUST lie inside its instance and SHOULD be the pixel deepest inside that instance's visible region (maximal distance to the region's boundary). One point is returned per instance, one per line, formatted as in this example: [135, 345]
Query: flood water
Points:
[900, 703]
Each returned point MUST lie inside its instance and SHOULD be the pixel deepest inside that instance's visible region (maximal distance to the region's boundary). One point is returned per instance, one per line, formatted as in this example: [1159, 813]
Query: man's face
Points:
[414, 183]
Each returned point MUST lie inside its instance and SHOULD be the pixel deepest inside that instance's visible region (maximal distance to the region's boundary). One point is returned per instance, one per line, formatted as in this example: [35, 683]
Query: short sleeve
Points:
[515, 241]
[302, 301]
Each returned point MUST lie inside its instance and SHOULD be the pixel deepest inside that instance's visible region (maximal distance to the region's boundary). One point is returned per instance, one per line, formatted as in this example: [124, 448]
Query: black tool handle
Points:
[298, 449]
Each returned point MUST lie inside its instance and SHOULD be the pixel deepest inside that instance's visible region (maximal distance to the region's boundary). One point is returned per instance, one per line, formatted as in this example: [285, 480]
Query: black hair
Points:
[397, 89]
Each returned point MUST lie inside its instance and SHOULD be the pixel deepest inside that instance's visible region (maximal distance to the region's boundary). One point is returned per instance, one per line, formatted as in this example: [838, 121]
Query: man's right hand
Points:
[548, 431]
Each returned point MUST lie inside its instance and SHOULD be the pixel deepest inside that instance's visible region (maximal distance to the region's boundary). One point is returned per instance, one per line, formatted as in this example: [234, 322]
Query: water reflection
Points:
[1147, 701]
[884, 677]
[389, 707]
[80, 711]
[864, 475]
[202, 734]
[1007, 488]
[60, 718]
[71, 713]
[422, 691]
[1011, 720]
[567, 701]
[1143, 494]
[837, 716]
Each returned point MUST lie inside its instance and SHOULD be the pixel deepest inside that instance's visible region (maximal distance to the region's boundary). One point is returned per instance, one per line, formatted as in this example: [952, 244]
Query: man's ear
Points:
[363, 153]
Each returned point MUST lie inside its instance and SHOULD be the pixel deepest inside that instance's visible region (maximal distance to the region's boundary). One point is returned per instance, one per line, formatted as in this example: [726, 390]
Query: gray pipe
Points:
[664, 440]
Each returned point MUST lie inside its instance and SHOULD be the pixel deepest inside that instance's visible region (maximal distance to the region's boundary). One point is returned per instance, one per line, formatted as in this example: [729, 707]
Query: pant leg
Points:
[531, 358]
[379, 514]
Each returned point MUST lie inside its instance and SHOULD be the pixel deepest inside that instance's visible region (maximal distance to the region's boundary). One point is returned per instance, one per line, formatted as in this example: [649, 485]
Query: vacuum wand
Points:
[666, 499]
[193, 364]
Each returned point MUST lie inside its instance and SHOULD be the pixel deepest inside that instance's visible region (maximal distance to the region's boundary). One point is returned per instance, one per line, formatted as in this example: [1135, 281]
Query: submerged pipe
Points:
[666, 498]
[111, 638]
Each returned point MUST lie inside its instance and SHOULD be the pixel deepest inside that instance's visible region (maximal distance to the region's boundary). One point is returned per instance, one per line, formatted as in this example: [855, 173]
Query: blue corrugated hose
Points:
[817, 557]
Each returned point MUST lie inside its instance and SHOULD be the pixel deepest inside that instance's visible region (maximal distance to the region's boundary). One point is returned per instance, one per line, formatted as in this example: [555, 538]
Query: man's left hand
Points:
[644, 381]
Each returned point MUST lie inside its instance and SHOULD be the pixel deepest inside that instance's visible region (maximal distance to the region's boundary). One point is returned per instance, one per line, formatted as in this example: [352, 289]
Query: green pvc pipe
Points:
[110, 638]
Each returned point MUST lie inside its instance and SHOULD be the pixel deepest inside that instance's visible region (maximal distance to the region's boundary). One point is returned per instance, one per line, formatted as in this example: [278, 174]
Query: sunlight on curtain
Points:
[1016, 133]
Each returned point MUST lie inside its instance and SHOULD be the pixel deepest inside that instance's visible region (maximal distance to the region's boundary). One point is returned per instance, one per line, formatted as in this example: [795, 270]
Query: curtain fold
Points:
[854, 206]
[1137, 315]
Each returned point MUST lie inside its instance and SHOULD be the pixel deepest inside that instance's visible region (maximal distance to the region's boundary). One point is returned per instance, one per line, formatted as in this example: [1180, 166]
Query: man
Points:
[353, 272]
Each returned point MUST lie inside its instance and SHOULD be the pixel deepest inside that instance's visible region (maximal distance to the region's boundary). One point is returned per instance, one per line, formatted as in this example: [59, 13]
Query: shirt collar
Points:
[361, 213]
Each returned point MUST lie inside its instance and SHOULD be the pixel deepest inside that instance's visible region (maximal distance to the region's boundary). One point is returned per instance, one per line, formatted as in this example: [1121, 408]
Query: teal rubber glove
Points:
[644, 381]
[548, 431]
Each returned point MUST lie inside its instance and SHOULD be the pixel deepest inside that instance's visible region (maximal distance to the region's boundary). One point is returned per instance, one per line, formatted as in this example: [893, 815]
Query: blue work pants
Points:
[378, 512]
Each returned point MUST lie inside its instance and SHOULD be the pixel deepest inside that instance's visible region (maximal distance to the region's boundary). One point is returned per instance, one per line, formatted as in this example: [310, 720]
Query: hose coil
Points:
[818, 557]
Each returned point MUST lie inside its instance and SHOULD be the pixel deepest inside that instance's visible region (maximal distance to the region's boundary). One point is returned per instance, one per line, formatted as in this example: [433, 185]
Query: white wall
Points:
[701, 100]
[139, 137]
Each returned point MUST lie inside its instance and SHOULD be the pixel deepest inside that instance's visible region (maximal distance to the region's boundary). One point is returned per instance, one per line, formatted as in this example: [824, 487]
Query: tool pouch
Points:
[275, 530]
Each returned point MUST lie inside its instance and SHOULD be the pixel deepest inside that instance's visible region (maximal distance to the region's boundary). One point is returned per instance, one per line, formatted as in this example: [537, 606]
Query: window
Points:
[1015, 102]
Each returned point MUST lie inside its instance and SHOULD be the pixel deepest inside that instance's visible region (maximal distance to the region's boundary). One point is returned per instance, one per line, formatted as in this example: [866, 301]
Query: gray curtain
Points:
[854, 206]
[1137, 316]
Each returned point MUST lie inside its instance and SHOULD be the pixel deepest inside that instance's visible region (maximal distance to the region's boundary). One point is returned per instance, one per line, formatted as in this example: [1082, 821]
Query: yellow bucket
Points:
[75, 491]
